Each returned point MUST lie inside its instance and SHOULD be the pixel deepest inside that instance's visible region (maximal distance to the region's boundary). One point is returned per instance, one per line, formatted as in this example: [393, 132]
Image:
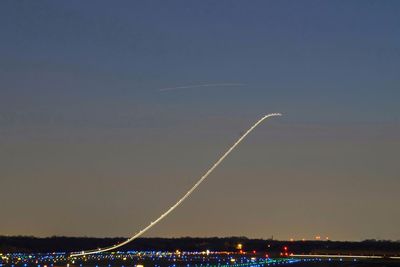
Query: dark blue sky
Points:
[87, 135]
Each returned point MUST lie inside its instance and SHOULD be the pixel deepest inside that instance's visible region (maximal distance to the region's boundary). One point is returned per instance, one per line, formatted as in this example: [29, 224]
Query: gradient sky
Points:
[90, 146]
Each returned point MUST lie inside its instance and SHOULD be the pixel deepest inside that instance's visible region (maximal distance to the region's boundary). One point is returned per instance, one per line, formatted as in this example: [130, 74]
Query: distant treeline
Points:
[273, 247]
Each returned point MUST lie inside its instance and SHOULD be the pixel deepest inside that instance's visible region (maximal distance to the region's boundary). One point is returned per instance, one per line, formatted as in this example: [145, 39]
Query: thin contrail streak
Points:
[199, 85]
[188, 193]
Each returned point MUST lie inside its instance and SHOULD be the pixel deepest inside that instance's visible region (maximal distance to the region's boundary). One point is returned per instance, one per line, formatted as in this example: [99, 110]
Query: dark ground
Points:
[272, 247]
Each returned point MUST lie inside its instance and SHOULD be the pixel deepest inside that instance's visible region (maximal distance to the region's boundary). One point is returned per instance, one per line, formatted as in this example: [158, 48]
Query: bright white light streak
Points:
[200, 85]
[337, 256]
[188, 193]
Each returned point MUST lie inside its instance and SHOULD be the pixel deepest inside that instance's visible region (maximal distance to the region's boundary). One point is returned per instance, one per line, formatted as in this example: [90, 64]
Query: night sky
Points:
[90, 145]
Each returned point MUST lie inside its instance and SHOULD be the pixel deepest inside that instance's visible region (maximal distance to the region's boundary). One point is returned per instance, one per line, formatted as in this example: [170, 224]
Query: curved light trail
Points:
[188, 193]
[200, 85]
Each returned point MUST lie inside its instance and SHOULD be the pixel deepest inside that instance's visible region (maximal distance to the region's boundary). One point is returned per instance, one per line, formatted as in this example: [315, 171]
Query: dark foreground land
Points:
[196, 252]
[272, 247]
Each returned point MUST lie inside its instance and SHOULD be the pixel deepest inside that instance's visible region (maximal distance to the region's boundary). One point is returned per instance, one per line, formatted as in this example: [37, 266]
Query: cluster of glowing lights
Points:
[134, 258]
[318, 237]
[178, 258]
[140, 259]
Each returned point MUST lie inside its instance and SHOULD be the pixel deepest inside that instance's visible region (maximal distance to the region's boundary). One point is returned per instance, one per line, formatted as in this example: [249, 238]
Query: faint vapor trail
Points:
[200, 85]
[188, 193]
